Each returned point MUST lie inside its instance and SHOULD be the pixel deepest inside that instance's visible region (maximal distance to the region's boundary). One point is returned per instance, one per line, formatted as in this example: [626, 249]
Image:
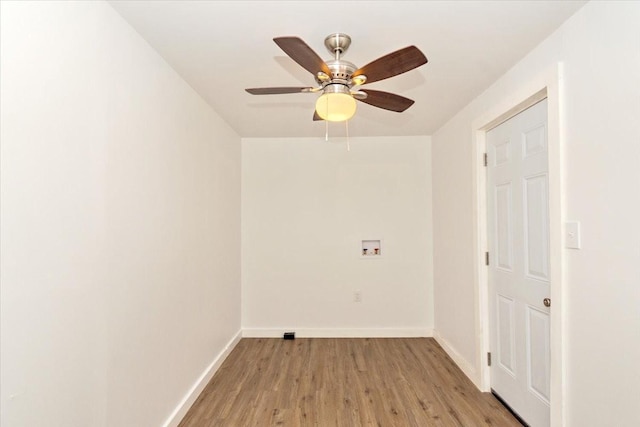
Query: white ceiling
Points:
[222, 47]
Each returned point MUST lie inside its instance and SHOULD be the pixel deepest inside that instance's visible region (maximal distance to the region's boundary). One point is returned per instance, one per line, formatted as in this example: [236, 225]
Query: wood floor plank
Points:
[343, 382]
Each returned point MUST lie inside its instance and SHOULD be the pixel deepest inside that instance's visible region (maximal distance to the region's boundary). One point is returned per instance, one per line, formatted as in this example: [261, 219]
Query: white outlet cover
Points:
[572, 235]
[357, 296]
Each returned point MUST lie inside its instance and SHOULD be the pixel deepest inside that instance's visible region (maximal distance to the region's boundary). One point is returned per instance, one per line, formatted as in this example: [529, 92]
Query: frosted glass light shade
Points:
[336, 107]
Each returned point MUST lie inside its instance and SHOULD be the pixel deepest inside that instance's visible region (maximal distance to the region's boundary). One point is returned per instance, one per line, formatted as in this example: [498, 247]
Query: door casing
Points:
[548, 85]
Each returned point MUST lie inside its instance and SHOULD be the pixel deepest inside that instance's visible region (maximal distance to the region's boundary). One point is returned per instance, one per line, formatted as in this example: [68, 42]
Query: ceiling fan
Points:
[340, 80]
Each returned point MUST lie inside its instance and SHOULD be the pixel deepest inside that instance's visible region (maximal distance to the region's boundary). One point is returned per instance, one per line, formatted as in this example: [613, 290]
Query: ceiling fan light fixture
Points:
[336, 104]
[359, 80]
[340, 80]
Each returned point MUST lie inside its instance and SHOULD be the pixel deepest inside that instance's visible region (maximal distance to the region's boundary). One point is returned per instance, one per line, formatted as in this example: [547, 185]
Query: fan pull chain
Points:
[326, 130]
[346, 124]
[326, 122]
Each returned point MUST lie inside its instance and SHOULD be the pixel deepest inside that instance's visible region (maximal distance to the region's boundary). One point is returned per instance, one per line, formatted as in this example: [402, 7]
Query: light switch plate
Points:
[572, 235]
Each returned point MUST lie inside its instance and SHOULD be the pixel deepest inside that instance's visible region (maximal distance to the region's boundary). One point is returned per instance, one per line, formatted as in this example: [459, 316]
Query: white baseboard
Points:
[191, 396]
[338, 332]
[468, 369]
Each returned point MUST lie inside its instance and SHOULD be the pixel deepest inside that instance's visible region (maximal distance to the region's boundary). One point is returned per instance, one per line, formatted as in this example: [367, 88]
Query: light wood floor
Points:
[343, 382]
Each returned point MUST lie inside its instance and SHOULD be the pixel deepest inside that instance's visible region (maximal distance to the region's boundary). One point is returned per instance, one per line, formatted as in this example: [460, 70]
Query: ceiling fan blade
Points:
[300, 52]
[316, 117]
[390, 65]
[277, 90]
[386, 100]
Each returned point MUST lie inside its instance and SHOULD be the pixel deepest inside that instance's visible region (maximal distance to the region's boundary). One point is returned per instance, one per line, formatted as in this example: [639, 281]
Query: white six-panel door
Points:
[518, 237]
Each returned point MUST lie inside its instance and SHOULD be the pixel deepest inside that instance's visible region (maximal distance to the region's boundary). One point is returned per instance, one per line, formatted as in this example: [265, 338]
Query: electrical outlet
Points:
[357, 296]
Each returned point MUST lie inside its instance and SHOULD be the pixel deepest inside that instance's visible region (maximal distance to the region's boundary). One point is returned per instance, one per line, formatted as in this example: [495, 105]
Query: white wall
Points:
[599, 48]
[306, 206]
[120, 223]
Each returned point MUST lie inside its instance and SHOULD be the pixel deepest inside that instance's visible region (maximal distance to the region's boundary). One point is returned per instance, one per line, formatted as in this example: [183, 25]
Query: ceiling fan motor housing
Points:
[341, 71]
[336, 88]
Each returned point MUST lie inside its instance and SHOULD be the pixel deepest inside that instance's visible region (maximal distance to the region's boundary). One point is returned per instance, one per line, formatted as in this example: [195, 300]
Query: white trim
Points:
[339, 332]
[468, 369]
[183, 407]
[548, 84]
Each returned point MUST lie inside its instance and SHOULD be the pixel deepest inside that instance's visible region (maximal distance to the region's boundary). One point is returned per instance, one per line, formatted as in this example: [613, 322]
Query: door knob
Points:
[547, 302]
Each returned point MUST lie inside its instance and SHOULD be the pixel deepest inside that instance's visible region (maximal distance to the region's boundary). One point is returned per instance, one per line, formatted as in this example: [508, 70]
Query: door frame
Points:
[522, 95]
